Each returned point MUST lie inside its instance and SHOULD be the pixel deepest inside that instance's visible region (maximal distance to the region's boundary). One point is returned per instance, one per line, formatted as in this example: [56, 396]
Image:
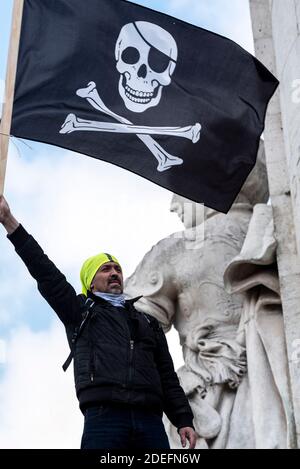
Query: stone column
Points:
[276, 36]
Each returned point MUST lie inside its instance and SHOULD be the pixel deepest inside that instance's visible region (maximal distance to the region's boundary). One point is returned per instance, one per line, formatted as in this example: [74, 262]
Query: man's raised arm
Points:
[52, 284]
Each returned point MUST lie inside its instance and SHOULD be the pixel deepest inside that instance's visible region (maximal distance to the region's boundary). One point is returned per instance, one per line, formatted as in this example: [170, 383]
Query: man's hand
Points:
[6, 217]
[190, 434]
[4, 210]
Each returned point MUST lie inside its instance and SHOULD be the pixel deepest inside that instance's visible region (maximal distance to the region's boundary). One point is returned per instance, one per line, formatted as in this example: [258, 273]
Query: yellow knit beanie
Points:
[90, 267]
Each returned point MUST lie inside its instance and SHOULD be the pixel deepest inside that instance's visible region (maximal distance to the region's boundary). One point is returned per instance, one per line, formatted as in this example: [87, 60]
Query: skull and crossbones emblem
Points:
[146, 58]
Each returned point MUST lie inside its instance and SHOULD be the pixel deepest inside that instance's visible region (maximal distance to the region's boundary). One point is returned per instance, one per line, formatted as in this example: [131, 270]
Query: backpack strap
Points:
[78, 331]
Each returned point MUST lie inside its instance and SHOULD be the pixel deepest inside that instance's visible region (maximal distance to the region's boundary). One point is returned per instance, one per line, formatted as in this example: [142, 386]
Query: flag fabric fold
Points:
[171, 102]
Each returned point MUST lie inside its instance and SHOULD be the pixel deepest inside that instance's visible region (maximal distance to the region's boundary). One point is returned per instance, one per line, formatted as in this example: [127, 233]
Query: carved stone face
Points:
[146, 58]
[190, 213]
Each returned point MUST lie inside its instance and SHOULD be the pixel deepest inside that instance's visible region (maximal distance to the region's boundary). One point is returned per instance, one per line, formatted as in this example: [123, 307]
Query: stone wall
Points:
[286, 36]
[276, 29]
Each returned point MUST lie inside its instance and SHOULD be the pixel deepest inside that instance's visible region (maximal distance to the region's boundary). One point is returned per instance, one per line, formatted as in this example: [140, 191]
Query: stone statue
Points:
[232, 337]
[267, 418]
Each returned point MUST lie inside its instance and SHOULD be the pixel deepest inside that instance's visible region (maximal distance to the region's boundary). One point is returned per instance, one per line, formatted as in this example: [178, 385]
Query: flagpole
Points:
[5, 124]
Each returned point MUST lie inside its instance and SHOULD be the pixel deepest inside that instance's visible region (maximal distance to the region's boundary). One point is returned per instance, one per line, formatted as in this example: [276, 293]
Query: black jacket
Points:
[122, 354]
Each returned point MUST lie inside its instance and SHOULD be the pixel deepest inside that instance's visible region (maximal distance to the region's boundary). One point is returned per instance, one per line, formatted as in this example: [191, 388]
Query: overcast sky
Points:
[75, 206]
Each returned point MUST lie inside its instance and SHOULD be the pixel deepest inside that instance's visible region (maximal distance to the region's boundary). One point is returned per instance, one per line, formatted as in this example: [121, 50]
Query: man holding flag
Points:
[124, 374]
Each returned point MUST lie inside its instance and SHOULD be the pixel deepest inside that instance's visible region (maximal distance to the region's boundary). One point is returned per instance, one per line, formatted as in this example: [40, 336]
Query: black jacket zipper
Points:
[131, 343]
[92, 365]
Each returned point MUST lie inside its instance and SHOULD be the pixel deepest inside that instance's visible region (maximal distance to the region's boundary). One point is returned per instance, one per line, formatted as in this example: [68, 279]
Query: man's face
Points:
[108, 279]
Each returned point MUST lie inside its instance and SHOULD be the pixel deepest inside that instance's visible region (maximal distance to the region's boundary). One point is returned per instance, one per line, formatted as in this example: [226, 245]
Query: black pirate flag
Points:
[176, 104]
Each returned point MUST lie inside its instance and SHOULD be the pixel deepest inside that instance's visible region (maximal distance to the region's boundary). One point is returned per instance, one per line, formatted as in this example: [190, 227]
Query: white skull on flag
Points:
[146, 56]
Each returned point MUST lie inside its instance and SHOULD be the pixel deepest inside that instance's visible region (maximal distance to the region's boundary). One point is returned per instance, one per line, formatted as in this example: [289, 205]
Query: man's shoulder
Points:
[84, 305]
[153, 322]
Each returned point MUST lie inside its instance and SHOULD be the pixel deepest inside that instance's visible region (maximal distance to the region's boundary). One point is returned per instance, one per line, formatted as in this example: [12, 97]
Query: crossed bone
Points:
[165, 160]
